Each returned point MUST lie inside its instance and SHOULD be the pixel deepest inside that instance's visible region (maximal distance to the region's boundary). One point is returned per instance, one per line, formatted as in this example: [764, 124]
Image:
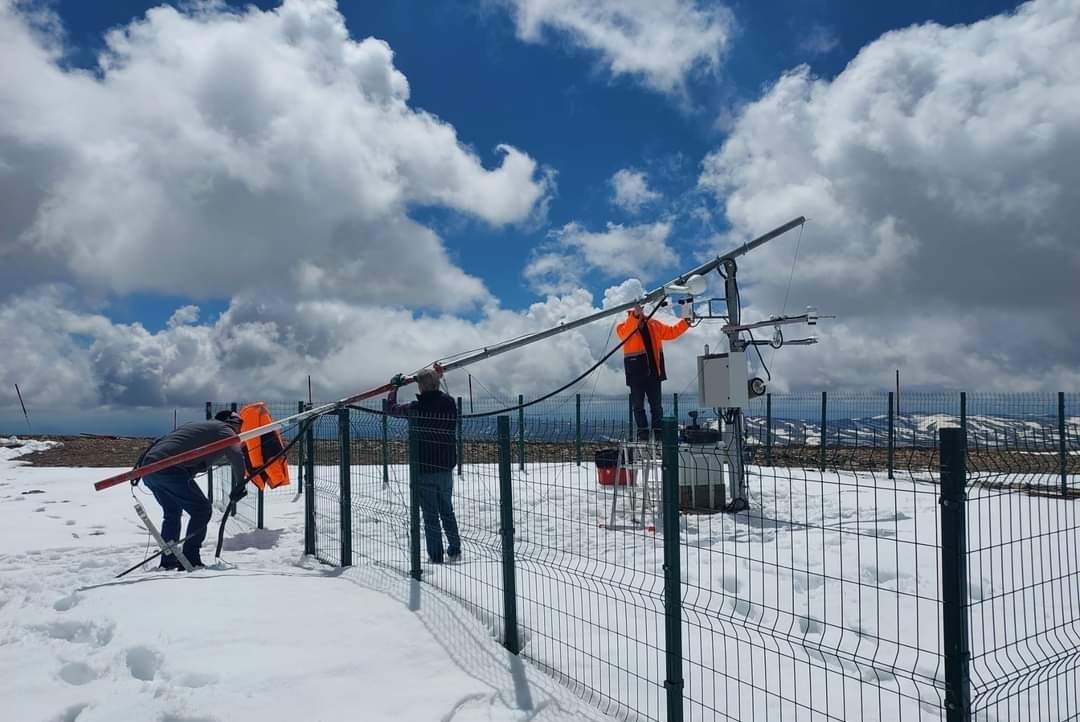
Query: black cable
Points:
[541, 398]
[768, 376]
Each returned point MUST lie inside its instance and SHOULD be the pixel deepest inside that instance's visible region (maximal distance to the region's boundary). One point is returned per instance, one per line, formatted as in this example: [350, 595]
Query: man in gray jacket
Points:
[175, 489]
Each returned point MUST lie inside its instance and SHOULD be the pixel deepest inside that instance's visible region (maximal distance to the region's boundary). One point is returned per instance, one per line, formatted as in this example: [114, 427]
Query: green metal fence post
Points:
[577, 428]
[511, 639]
[345, 468]
[1063, 454]
[300, 464]
[824, 429]
[521, 432]
[414, 500]
[892, 434]
[963, 418]
[309, 491]
[385, 449]
[210, 469]
[460, 441]
[673, 683]
[768, 429]
[675, 408]
[954, 576]
[260, 506]
[232, 473]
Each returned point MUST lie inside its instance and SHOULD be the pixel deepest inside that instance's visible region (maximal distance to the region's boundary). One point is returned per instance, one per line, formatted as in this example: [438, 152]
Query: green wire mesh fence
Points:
[856, 586]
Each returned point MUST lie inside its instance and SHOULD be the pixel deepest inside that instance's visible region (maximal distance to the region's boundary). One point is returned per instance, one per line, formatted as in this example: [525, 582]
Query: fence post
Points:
[824, 397]
[385, 448]
[963, 418]
[460, 441]
[768, 429]
[630, 416]
[892, 435]
[301, 465]
[260, 506]
[1061, 443]
[577, 428]
[414, 500]
[232, 472]
[673, 683]
[521, 432]
[954, 576]
[675, 408]
[345, 472]
[309, 492]
[511, 639]
[210, 468]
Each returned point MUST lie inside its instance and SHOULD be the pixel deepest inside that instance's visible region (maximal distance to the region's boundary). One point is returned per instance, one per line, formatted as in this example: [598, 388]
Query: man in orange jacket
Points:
[643, 361]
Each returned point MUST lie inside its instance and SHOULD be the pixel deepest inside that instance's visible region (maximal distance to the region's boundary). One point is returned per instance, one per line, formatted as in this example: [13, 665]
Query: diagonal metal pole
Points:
[26, 415]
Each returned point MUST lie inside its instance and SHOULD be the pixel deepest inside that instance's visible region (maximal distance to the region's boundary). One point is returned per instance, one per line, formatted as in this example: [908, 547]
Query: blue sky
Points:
[241, 196]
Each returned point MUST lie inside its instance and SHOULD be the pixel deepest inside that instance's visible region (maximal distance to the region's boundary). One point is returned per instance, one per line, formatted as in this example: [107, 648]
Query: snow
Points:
[269, 635]
[830, 585]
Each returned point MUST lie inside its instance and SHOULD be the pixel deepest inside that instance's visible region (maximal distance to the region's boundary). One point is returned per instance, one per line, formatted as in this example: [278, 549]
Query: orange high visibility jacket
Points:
[639, 361]
[259, 450]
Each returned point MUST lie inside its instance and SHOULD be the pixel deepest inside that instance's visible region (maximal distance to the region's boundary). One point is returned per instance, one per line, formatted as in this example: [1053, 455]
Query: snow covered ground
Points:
[821, 603]
[273, 637]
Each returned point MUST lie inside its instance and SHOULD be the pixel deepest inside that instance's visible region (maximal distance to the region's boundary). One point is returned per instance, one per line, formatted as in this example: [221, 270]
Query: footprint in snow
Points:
[144, 663]
[78, 673]
[71, 714]
[65, 603]
[83, 632]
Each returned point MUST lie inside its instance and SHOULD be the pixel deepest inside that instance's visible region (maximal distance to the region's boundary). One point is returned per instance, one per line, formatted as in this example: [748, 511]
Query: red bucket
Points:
[607, 477]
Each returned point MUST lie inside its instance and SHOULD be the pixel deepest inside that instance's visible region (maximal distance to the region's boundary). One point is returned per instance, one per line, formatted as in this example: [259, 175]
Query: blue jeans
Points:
[177, 492]
[434, 491]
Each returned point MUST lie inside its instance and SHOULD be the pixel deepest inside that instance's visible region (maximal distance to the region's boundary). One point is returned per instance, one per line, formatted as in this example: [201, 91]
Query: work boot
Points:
[169, 563]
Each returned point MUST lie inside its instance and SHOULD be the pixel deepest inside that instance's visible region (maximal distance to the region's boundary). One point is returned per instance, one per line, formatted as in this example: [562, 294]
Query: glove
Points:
[237, 494]
[398, 380]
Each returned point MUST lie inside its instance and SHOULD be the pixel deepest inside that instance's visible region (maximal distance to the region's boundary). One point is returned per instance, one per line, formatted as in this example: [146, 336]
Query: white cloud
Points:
[218, 151]
[938, 171]
[616, 252]
[631, 189]
[819, 39]
[266, 349]
[659, 42]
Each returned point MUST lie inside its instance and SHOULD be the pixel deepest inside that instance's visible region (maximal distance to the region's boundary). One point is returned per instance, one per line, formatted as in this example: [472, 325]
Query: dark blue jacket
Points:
[435, 413]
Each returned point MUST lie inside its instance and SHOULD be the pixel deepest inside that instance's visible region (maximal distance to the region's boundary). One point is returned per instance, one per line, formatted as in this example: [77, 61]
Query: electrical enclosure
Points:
[722, 380]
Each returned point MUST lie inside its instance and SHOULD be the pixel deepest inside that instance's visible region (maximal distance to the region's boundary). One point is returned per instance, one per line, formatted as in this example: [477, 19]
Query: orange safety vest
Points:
[260, 448]
[658, 332]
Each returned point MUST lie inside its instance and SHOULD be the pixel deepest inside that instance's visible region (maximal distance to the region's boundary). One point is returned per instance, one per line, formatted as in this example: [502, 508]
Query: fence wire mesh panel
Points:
[327, 484]
[1022, 565]
[589, 569]
[825, 600]
[820, 602]
[379, 495]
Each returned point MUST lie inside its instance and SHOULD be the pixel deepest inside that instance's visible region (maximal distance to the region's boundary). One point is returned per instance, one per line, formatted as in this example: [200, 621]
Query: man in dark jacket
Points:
[435, 415]
[175, 489]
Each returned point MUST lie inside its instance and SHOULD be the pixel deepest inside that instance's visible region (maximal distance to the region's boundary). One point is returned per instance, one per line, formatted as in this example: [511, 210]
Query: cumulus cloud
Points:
[659, 42]
[266, 349]
[213, 151]
[631, 190]
[939, 173]
[616, 252]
